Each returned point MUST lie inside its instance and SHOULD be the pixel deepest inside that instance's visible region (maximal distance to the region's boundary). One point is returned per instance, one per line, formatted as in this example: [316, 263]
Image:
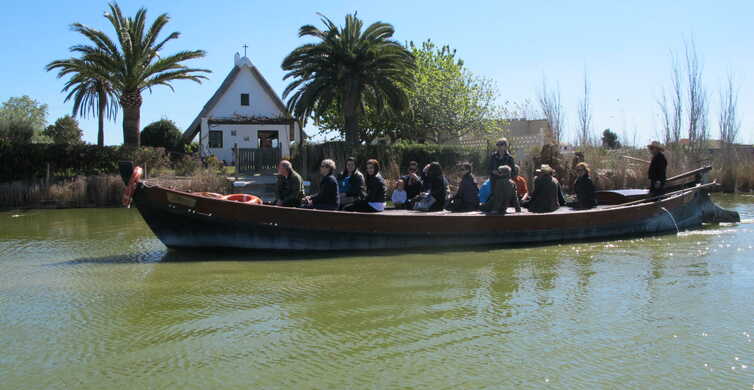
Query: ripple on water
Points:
[100, 303]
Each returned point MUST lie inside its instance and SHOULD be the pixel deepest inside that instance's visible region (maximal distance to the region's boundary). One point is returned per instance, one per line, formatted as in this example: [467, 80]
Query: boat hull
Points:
[182, 220]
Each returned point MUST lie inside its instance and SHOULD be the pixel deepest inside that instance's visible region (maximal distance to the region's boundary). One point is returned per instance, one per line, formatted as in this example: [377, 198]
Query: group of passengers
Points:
[428, 189]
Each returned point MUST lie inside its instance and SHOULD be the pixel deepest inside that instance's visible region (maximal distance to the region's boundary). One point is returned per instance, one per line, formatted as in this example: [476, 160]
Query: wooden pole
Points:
[237, 158]
[637, 159]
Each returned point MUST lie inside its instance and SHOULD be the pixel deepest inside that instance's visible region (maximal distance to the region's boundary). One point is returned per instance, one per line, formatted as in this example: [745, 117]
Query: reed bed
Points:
[80, 191]
[95, 191]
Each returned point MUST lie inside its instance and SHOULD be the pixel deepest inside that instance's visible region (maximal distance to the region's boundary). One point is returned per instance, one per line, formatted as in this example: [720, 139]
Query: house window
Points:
[244, 99]
[215, 139]
[233, 133]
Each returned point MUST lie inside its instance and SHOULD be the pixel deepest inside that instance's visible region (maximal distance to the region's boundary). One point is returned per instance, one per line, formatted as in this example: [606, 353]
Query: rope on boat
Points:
[672, 218]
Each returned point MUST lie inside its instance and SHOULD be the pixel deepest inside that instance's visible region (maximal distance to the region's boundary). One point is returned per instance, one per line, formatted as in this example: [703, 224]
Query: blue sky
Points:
[623, 45]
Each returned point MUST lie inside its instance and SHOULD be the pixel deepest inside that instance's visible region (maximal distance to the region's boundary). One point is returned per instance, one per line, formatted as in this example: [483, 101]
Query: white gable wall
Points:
[260, 103]
[246, 136]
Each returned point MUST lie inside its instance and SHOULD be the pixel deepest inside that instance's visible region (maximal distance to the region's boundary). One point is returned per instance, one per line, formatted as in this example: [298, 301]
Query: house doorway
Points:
[268, 139]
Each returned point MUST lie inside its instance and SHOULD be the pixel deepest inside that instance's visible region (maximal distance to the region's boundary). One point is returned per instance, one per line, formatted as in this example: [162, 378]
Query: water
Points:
[91, 299]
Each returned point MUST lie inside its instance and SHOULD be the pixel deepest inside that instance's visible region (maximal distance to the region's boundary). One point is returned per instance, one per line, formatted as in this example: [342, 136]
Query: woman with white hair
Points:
[327, 197]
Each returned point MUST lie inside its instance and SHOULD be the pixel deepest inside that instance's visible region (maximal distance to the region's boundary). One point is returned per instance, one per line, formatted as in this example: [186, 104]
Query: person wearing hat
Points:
[503, 193]
[547, 195]
[657, 169]
[501, 156]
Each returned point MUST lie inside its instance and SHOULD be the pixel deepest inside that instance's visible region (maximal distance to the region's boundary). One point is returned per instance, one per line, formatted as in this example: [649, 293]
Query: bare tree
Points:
[549, 102]
[677, 99]
[729, 125]
[585, 113]
[667, 132]
[728, 120]
[525, 109]
[697, 100]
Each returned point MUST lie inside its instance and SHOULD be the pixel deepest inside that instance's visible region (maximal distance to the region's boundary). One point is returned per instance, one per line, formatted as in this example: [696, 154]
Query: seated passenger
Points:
[289, 189]
[485, 191]
[399, 196]
[376, 189]
[585, 197]
[434, 192]
[547, 195]
[503, 193]
[522, 188]
[351, 185]
[467, 197]
[412, 181]
[327, 197]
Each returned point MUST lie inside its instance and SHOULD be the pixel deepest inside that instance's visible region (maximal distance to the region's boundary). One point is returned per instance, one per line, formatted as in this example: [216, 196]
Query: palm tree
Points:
[135, 63]
[92, 95]
[350, 69]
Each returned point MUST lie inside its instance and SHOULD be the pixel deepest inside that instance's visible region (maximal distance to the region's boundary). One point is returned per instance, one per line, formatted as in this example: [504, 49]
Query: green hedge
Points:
[29, 161]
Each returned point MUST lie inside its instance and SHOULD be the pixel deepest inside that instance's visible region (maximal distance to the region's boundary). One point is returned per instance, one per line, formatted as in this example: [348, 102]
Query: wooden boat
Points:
[189, 220]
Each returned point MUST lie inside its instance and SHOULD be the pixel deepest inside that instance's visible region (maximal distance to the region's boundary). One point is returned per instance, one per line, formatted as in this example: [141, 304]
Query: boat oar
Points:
[658, 197]
[637, 159]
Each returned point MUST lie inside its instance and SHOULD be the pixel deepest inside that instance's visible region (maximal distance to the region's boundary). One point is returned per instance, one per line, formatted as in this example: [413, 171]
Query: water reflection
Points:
[106, 305]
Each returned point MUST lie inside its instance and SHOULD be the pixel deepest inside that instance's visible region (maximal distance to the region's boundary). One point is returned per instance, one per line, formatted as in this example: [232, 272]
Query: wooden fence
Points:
[255, 160]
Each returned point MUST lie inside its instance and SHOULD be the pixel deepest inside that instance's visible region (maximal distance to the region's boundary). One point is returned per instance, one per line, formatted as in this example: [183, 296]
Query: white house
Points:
[246, 113]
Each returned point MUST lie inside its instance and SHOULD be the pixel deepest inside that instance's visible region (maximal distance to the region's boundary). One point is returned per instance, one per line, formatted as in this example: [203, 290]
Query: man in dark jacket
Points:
[290, 188]
[657, 169]
[467, 197]
[502, 157]
[547, 195]
[412, 180]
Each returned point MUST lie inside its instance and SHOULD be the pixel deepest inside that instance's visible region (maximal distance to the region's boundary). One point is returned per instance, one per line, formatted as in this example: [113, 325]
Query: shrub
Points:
[163, 134]
[65, 131]
[187, 165]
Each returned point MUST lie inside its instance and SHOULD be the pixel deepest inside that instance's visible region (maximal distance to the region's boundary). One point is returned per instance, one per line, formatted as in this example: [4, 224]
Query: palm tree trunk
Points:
[351, 116]
[101, 118]
[131, 103]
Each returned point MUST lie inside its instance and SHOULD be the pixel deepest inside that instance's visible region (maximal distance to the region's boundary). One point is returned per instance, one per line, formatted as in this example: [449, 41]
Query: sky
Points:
[623, 46]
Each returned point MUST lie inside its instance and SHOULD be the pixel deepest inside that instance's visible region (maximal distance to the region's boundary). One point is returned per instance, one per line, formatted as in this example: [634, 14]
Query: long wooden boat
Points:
[189, 220]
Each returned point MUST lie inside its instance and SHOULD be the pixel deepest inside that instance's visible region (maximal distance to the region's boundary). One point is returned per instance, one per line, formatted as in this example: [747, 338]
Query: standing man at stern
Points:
[658, 168]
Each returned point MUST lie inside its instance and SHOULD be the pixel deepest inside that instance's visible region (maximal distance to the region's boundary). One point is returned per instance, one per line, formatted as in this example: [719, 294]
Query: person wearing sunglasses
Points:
[327, 197]
[501, 156]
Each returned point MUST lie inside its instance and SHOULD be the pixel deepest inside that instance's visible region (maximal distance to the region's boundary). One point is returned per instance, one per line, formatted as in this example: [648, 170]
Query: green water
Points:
[91, 299]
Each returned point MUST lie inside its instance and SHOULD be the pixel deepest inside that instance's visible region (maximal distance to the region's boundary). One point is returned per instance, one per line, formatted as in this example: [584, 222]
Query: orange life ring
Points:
[243, 198]
[128, 193]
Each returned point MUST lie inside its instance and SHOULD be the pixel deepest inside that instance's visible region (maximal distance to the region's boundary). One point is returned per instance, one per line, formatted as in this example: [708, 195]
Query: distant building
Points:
[523, 135]
[245, 113]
